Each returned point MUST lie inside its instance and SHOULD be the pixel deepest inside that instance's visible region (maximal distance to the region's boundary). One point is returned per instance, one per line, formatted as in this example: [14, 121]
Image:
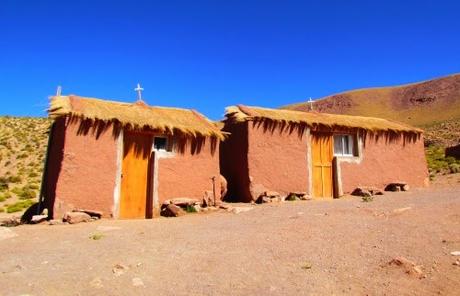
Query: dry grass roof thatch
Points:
[316, 120]
[135, 116]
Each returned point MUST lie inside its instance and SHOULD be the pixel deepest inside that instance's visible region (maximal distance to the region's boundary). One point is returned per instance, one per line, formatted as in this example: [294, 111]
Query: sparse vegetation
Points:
[23, 144]
[19, 206]
[190, 209]
[367, 198]
[96, 236]
[438, 163]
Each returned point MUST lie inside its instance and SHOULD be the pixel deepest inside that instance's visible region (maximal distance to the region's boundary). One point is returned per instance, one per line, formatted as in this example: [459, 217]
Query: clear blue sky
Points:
[210, 54]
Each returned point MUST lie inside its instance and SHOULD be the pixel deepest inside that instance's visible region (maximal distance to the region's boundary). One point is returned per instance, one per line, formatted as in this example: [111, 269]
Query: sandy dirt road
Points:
[339, 247]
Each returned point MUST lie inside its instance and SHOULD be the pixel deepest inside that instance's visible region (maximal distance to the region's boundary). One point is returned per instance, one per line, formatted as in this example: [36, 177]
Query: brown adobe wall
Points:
[189, 175]
[277, 160]
[385, 162]
[81, 170]
[234, 162]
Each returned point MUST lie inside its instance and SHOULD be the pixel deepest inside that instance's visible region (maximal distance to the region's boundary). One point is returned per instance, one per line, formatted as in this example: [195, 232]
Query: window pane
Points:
[346, 145]
[338, 145]
[160, 143]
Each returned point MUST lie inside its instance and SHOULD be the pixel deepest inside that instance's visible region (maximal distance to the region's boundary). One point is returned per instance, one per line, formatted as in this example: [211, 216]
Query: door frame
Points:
[336, 163]
[156, 155]
[311, 134]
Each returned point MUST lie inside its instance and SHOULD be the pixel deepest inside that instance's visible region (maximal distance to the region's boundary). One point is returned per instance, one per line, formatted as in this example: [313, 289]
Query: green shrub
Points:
[15, 179]
[22, 156]
[33, 175]
[367, 198]
[2, 198]
[190, 209]
[19, 206]
[454, 168]
[2, 209]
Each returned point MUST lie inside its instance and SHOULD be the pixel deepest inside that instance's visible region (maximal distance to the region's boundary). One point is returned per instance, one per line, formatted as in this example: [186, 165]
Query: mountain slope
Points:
[420, 104]
[23, 143]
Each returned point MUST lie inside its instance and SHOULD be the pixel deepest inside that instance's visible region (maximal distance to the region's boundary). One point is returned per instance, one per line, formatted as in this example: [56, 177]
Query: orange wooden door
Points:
[135, 176]
[322, 156]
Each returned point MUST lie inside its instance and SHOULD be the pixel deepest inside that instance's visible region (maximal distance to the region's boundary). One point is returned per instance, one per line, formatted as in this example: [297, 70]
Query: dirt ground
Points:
[337, 247]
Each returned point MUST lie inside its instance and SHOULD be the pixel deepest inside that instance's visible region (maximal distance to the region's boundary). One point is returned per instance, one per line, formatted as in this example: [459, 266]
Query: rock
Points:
[457, 263]
[55, 222]
[360, 191]
[11, 222]
[271, 194]
[226, 207]
[409, 267]
[76, 217]
[263, 199]
[137, 282]
[6, 233]
[306, 197]
[119, 269]
[38, 219]
[397, 186]
[237, 210]
[256, 190]
[298, 193]
[182, 202]
[172, 210]
[455, 253]
[92, 213]
[223, 187]
[197, 208]
[208, 199]
[366, 191]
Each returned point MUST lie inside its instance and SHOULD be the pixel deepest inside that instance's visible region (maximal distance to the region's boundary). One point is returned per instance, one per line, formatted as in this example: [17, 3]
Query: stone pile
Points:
[397, 186]
[366, 191]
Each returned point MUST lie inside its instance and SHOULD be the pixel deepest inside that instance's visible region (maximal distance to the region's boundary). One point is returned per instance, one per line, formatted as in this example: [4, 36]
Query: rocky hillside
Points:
[420, 104]
[23, 143]
[433, 105]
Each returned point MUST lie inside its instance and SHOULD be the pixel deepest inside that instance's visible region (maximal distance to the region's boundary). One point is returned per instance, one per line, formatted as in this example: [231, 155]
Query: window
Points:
[344, 145]
[160, 143]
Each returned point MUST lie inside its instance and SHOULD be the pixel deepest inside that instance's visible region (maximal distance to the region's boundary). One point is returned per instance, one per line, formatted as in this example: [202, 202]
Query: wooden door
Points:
[322, 156]
[135, 182]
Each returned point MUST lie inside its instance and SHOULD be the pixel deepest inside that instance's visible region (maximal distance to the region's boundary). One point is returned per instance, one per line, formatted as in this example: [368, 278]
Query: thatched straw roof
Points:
[135, 116]
[317, 120]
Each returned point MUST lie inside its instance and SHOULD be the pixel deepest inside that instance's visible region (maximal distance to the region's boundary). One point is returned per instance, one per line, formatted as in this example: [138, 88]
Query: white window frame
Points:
[351, 144]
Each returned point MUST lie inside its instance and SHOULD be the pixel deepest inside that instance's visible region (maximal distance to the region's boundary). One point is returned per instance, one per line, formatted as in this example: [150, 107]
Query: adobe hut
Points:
[126, 159]
[323, 155]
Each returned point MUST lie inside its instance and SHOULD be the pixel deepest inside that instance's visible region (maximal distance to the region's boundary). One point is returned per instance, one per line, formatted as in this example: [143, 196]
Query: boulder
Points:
[76, 217]
[92, 213]
[55, 222]
[397, 186]
[11, 222]
[360, 191]
[271, 194]
[172, 210]
[182, 202]
[408, 266]
[38, 219]
[306, 197]
[223, 186]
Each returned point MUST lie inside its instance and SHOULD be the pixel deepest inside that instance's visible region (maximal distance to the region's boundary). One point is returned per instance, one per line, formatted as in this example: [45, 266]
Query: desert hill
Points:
[23, 143]
[421, 104]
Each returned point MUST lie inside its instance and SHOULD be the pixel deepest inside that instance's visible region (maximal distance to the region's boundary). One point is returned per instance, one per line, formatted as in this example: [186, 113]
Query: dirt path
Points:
[293, 248]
